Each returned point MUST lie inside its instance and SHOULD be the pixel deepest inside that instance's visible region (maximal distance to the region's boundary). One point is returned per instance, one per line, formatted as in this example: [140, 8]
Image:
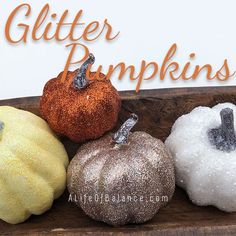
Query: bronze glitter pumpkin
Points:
[119, 179]
[79, 108]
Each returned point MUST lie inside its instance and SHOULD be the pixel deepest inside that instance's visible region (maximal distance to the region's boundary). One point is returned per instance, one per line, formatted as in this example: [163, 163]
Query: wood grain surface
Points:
[157, 110]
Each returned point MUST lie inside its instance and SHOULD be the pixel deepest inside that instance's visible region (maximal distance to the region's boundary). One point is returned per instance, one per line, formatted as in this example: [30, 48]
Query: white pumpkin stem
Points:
[80, 81]
[1, 129]
[224, 138]
[121, 136]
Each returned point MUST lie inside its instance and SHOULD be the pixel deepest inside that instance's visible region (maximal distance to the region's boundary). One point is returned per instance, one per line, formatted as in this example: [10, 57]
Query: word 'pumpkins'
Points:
[125, 179]
[78, 108]
[32, 165]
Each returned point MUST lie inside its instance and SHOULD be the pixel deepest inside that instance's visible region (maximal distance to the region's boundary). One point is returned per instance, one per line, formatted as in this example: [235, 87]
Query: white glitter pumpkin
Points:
[121, 180]
[203, 145]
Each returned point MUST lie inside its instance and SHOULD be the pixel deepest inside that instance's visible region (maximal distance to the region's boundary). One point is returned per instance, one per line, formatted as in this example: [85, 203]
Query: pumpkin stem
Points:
[1, 129]
[80, 81]
[121, 136]
[224, 138]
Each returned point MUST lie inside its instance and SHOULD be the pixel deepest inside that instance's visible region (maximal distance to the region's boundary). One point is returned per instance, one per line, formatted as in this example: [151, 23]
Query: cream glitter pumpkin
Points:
[32, 165]
[121, 179]
[203, 145]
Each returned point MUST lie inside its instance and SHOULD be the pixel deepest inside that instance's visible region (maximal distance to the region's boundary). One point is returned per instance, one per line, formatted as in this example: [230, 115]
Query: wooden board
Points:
[157, 110]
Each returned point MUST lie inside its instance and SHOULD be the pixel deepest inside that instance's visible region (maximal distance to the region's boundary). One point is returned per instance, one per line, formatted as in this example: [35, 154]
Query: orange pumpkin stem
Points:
[80, 81]
[121, 136]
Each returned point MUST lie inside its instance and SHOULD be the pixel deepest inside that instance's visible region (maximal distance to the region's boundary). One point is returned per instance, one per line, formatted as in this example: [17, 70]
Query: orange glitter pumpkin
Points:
[79, 108]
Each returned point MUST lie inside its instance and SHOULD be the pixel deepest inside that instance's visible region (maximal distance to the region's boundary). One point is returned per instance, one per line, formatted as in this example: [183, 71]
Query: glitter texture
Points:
[33, 165]
[141, 168]
[206, 168]
[80, 115]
